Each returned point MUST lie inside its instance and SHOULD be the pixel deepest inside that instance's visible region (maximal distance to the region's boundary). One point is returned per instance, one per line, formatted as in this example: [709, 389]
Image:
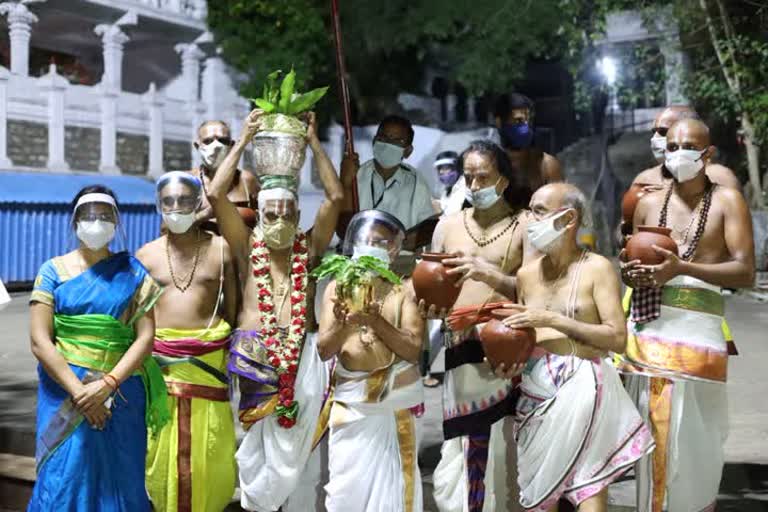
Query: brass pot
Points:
[357, 297]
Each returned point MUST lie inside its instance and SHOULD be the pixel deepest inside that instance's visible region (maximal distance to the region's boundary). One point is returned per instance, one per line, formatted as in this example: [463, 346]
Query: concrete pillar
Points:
[4, 76]
[154, 102]
[198, 116]
[675, 66]
[112, 39]
[108, 153]
[190, 69]
[20, 21]
[55, 86]
[215, 87]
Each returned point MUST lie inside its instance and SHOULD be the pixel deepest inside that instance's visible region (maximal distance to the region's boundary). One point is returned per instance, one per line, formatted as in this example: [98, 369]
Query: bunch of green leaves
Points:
[282, 97]
[349, 273]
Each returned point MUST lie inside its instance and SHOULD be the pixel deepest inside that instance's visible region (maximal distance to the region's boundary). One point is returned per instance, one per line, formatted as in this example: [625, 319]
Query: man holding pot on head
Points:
[213, 142]
[577, 429]
[273, 354]
[387, 183]
[514, 120]
[476, 470]
[373, 448]
[676, 353]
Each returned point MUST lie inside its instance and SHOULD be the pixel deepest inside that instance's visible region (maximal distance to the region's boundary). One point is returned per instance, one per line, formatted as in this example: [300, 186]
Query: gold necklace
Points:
[187, 281]
[482, 242]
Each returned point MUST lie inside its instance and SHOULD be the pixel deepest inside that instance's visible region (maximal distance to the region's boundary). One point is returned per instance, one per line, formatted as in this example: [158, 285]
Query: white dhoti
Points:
[373, 447]
[677, 367]
[273, 459]
[577, 430]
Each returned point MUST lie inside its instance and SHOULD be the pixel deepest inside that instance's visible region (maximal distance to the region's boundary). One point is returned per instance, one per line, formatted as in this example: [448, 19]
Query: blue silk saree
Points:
[79, 468]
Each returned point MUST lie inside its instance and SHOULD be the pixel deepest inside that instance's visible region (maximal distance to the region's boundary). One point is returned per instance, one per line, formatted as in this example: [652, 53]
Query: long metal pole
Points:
[341, 71]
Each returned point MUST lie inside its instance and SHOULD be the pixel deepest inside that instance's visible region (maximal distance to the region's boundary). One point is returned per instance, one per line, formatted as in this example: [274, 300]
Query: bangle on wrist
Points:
[111, 381]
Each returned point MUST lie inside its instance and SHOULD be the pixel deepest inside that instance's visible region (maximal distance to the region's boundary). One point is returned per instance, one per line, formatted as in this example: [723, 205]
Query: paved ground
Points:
[745, 483]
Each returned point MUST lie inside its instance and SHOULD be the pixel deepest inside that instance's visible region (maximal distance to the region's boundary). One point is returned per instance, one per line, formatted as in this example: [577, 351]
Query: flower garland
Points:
[283, 354]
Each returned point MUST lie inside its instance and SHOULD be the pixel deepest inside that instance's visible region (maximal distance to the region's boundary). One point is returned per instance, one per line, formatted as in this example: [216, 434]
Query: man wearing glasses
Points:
[213, 143]
[386, 182]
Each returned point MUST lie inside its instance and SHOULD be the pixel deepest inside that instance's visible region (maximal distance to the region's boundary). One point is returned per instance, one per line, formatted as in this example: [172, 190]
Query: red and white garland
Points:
[283, 352]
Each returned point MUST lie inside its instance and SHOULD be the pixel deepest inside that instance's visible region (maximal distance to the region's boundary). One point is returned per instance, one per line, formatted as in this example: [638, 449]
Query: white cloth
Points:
[5, 299]
[373, 447]
[405, 195]
[695, 457]
[272, 458]
[578, 430]
[309, 495]
[450, 476]
[452, 202]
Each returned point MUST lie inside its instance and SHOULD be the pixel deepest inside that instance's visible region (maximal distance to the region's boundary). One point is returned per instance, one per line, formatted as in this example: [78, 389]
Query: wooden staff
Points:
[341, 71]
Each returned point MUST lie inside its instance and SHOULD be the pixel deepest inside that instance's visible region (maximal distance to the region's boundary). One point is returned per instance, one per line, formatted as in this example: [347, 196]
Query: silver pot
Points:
[278, 153]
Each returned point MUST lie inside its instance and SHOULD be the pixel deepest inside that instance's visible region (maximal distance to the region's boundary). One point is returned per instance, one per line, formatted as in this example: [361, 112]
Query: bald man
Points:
[577, 429]
[676, 355]
[656, 176]
[214, 141]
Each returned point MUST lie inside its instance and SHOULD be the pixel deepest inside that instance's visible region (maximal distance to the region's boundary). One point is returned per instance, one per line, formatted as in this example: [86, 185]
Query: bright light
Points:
[607, 66]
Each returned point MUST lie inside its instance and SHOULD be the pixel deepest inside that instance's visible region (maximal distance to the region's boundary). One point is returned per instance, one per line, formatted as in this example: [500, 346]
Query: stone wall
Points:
[132, 153]
[28, 143]
[176, 156]
[81, 148]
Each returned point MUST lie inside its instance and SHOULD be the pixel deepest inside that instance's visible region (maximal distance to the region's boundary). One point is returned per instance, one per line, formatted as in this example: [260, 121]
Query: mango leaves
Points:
[284, 99]
[348, 272]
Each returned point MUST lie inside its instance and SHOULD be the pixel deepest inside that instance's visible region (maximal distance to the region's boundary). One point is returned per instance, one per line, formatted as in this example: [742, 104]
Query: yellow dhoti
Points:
[191, 462]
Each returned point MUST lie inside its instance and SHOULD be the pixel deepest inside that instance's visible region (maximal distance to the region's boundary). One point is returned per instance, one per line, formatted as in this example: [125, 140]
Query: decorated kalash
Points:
[274, 362]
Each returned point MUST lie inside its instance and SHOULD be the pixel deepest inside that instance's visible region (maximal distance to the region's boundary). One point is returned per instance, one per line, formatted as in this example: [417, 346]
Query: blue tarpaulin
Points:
[45, 188]
[35, 217]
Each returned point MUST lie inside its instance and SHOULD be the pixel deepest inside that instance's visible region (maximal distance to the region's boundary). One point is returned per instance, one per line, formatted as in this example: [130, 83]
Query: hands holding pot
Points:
[502, 372]
[431, 312]
[469, 267]
[637, 275]
[525, 317]
[252, 125]
[367, 317]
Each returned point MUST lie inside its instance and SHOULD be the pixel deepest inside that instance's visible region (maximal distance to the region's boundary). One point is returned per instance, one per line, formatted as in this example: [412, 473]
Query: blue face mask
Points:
[449, 178]
[516, 136]
[387, 155]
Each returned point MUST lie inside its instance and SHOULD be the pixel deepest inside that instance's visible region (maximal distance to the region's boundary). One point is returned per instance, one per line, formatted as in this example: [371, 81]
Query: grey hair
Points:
[575, 198]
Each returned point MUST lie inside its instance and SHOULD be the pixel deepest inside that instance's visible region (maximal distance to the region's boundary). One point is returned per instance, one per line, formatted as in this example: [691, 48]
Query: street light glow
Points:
[607, 66]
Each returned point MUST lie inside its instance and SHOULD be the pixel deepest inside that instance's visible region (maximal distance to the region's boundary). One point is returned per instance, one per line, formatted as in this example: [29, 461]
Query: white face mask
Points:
[371, 250]
[213, 154]
[543, 234]
[658, 147]
[484, 198]
[684, 164]
[95, 234]
[387, 155]
[179, 222]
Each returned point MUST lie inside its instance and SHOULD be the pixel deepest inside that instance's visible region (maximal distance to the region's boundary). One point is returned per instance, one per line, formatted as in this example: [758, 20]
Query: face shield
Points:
[95, 219]
[374, 233]
[178, 192]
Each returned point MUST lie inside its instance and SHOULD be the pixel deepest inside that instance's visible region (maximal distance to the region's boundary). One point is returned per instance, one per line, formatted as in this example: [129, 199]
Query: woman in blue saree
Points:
[92, 332]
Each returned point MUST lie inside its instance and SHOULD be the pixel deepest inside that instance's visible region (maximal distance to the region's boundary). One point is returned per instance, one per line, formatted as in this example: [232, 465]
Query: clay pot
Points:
[640, 245]
[504, 345]
[629, 202]
[248, 215]
[432, 283]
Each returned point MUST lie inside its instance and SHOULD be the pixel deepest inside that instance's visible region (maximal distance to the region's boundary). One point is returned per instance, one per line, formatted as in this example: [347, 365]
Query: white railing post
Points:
[55, 85]
[113, 39]
[154, 102]
[4, 76]
[108, 152]
[190, 69]
[198, 116]
[20, 21]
